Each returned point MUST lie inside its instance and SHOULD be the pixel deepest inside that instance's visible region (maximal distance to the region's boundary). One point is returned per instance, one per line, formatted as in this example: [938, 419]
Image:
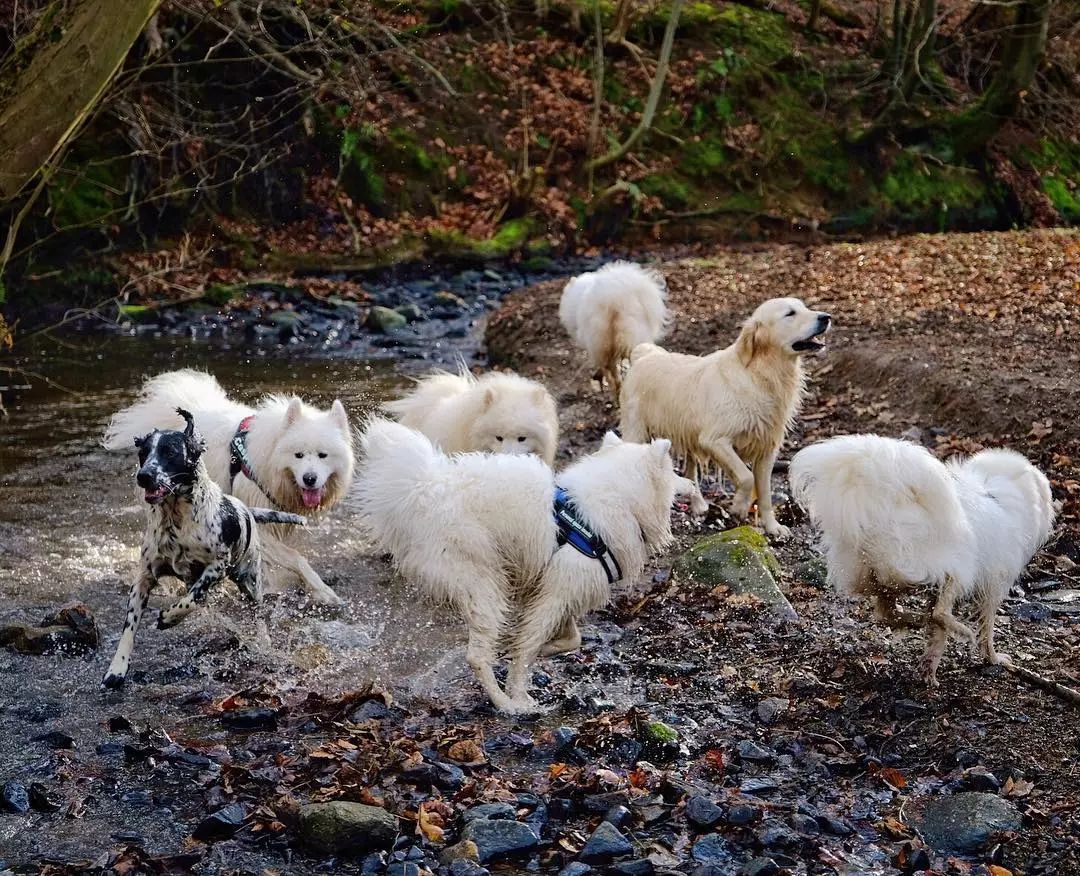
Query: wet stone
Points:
[56, 739]
[642, 867]
[964, 823]
[372, 710]
[805, 825]
[703, 813]
[742, 814]
[250, 719]
[489, 811]
[343, 826]
[770, 708]
[137, 798]
[776, 834]
[465, 867]
[619, 816]
[575, 868]
[749, 750]
[758, 786]
[906, 709]
[711, 849]
[760, 867]
[44, 800]
[221, 824]
[834, 826]
[606, 843]
[979, 779]
[14, 798]
[499, 839]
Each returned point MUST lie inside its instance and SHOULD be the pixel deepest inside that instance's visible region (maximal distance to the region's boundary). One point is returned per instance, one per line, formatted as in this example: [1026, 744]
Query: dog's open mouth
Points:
[312, 498]
[156, 495]
[809, 345]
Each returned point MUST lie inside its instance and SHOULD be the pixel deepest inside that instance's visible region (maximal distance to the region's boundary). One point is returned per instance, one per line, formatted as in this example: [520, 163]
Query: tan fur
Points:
[731, 408]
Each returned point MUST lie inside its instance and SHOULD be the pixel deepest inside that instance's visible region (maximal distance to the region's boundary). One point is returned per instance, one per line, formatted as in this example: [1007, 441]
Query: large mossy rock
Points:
[342, 826]
[741, 560]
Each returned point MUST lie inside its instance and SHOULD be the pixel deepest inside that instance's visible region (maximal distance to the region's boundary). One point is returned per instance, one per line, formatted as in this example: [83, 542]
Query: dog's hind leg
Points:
[943, 622]
[137, 598]
[280, 554]
[990, 600]
[196, 594]
[248, 578]
[568, 638]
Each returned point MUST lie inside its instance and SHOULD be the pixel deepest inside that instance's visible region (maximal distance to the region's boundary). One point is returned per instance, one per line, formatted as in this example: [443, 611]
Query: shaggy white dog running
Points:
[296, 458]
[893, 519]
[478, 531]
[610, 311]
[499, 412]
[731, 407]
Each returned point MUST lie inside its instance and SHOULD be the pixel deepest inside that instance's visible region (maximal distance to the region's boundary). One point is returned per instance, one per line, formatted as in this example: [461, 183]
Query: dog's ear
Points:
[660, 448]
[338, 415]
[539, 394]
[293, 411]
[140, 440]
[192, 438]
[611, 440]
[489, 398]
[749, 341]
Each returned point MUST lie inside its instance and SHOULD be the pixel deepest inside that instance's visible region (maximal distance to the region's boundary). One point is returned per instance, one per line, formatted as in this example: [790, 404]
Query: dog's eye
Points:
[322, 456]
[498, 438]
[790, 312]
[521, 438]
[298, 455]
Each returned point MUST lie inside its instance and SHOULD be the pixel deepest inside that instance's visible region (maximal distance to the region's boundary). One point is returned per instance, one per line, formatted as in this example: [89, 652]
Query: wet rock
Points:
[450, 300]
[907, 709]
[1032, 612]
[221, 824]
[979, 779]
[70, 630]
[750, 751]
[441, 775]
[464, 867]
[13, 798]
[137, 798]
[110, 749]
[404, 868]
[741, 560]
[760, 867]
[758, 786]
[814, 572]
[411, 311]
[711, 849]
[250, 719]
[489, 811]
[834, 826]
[372, 710]
[911, 859]
[606, 843]
[498, 839]
[619, 816]
[385, 319]
[643, 867]
[44, 800]
[776, 834]
[464, 851]
[56, 739]
[964, 823]
[742, 814]
[805, 824]
[772, 707]
[702, 813]
[343, 826]
[575, 868]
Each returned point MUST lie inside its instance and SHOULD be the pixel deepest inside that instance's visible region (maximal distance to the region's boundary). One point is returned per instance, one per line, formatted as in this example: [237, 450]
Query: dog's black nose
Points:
[310, 479]
[144, 479]
[824, 319]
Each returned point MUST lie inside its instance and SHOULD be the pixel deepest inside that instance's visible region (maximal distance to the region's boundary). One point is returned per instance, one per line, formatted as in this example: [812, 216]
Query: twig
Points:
[1062, 692]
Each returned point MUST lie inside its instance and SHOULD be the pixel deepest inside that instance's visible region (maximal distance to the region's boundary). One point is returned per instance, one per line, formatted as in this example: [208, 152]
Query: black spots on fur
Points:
[229, 520]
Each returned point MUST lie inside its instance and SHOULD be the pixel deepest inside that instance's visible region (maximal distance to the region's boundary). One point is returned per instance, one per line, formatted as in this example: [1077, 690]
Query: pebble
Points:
[56, 739]
[575, 868]
[762, 785]
[742, 814]
[641, 867]
[250, 719]
[221, 824]
[44, 800]
[760, 867]
[489, 810]
[618, 815]
[702, 813]
[964, 823]
[772, 707]
[606, 843]
[711, 849]
[751, 751]
[13, 798]
[498, 839]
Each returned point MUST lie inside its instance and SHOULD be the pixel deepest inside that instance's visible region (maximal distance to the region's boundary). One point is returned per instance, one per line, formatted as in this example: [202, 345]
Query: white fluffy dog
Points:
[478, 531]
[731, 407]
[296, 458]
[497, 413]
[893, 518]
[610, 311]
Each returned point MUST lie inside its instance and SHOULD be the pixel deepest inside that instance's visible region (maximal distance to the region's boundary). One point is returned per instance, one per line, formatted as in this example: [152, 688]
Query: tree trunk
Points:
[815, 13]
[55, 77]
[655, 90]
[1025, 45]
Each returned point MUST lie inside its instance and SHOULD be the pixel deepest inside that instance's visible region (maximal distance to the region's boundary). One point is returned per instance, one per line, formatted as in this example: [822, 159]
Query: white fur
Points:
[610, 311]
[730, 408]
[288, 440]
[893, 518]
[477, 531]
[496, 413]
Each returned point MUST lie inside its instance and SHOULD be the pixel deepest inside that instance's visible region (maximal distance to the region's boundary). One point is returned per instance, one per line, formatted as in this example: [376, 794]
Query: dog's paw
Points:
[326, 597]
[113, 680]
[1000, 658]
[778, 531]
[170, 617]
[524, 705]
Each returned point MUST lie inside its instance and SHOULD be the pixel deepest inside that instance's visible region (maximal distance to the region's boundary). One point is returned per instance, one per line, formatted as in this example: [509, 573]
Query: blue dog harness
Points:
[579, 535]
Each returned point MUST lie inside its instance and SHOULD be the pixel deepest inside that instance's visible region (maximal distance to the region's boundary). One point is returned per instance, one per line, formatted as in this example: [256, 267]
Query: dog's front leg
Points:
[763, 469]
[723, 452]
[137, 598]
[278, 553]
[196, 594]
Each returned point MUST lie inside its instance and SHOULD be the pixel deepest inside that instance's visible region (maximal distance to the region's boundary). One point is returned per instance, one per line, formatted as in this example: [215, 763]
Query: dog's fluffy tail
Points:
[643, 350]
[155, 408]
[889, 498]
[268, 515]
[1016, 485]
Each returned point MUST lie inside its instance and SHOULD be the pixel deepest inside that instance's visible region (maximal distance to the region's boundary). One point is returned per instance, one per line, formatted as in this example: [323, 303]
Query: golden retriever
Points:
[731, 408]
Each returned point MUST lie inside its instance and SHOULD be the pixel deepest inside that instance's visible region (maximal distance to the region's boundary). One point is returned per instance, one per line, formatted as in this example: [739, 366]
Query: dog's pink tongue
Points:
[312, 498]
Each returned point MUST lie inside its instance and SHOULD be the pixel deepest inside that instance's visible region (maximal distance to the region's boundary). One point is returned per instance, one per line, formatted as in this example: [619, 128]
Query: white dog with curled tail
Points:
[610, 311]
[478, 531]
[894, 519]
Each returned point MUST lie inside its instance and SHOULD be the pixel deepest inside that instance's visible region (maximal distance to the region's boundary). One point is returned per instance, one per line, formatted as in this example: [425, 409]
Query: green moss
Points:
[917, 189]
[220, 294]
[88, 192]
[704, 157]
[512, 237]
[748, 543]
[134, 312]
[658, 731]
[762, 37]
[1058, 165]
[1065, 200]
[672, 191]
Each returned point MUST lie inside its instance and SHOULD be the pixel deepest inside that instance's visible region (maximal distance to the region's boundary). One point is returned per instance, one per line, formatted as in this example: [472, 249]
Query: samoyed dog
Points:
[499, 412]
[294, 458]
[478, 531]
[895, 519]
[610, 311]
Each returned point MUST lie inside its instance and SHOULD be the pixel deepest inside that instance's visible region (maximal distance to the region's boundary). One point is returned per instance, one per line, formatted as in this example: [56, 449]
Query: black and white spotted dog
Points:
[194, 532]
